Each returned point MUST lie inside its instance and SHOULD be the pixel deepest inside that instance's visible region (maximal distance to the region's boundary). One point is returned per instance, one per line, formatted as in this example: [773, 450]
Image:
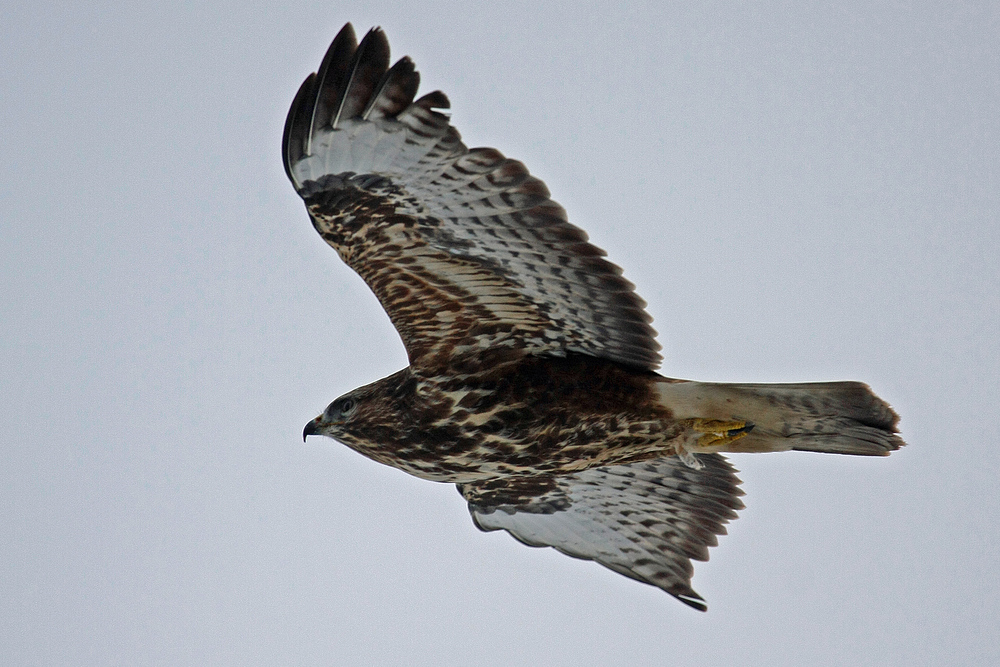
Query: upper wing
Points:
[463, 248]
[644, 520]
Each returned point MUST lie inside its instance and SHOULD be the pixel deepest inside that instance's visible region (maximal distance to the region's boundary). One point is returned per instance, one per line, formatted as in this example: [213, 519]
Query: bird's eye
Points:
[340, 408]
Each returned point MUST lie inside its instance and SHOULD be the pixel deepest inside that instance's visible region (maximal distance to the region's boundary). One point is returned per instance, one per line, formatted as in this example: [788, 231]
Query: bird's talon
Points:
[718, 432]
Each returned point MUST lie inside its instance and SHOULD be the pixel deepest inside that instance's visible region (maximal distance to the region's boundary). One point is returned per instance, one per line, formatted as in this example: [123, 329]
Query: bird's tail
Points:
[833, 417]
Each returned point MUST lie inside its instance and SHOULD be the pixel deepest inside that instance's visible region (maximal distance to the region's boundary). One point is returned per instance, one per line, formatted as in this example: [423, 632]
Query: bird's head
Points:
[335, 419]
[365, 415]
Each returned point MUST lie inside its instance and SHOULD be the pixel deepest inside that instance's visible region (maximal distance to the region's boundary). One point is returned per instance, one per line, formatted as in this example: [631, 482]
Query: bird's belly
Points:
[531, 449]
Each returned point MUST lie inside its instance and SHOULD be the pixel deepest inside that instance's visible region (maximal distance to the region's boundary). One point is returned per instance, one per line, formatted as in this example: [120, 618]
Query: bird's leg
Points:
[716, 434]
[688, 458]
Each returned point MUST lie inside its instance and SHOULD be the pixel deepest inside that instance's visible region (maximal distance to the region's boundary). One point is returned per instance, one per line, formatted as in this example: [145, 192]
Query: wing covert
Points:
[464, 248]
[643, 520]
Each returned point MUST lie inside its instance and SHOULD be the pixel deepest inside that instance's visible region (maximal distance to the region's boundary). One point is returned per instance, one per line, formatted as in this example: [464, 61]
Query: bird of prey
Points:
[532, 380]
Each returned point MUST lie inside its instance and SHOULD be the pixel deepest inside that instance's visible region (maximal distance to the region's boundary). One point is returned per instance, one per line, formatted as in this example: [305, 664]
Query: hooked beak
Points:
[312, 428]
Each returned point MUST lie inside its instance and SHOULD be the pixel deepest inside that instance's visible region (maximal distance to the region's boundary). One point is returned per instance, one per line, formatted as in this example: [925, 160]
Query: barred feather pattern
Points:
[644, 520]
[464, 249]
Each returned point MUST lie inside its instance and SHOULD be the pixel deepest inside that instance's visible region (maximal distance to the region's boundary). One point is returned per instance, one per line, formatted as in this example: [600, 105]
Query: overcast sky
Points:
[801, 191]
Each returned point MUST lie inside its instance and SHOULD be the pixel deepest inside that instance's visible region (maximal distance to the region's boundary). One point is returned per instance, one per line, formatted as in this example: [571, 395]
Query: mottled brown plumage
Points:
[521, 416]
[532, 380]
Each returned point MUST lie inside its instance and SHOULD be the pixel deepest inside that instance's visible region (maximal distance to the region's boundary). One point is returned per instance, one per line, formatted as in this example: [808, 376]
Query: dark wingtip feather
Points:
[394, 92]
[436, 100]
[332, 76]
[308, 107]
[692, 600]
[364, 72]
[352, 80]
[293, 141]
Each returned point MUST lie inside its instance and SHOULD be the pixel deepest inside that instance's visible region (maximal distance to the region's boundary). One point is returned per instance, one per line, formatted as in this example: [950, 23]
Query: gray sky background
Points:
[801, 191]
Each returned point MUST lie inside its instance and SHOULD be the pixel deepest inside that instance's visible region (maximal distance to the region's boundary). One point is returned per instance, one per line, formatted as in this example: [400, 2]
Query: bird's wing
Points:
[644, 520]
[464, 248]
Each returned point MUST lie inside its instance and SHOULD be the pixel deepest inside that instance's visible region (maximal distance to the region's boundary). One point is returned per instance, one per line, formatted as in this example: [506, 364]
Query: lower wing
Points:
[644, 520]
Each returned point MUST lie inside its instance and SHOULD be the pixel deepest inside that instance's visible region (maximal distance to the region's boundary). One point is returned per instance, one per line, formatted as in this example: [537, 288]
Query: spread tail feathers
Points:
[832, 417]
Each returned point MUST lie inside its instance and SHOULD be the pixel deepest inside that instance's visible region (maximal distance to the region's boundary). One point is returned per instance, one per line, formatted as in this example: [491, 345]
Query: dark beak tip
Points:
[310, 429]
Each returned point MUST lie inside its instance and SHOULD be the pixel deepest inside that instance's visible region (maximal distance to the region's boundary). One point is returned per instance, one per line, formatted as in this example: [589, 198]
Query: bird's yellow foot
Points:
[718, 433]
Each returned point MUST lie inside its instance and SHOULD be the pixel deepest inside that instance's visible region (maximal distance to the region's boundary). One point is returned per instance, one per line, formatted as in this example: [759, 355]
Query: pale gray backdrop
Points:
[802, 191]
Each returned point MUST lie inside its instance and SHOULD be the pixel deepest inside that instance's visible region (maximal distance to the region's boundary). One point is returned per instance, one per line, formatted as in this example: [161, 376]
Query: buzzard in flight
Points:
[532, 382]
